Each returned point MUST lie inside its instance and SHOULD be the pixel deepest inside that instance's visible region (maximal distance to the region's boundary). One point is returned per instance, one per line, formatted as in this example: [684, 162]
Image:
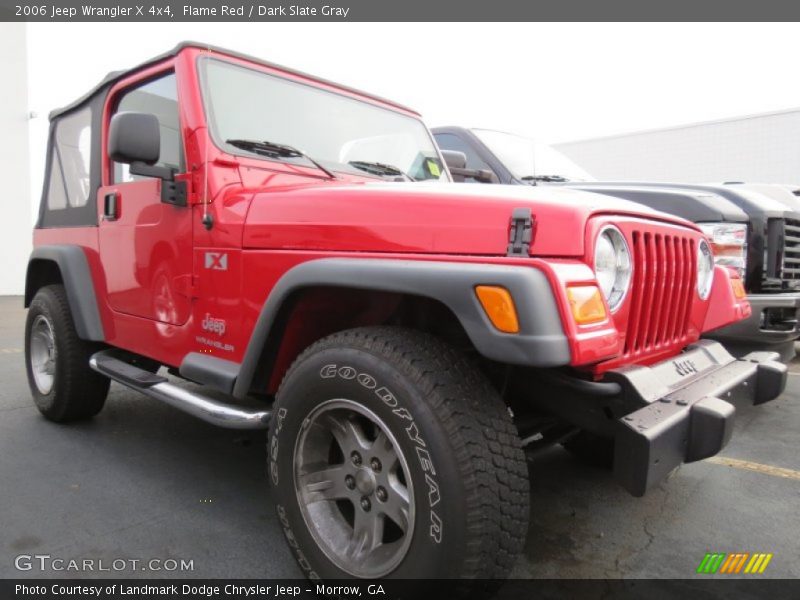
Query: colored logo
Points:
[735, 563]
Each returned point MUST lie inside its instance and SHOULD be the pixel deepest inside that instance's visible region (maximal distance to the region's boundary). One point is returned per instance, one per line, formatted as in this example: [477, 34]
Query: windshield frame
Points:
[315, 84]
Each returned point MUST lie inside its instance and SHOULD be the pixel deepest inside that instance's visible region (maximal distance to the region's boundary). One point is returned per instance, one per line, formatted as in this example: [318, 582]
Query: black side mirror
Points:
[134, 137]
[483, 175]
[457, 164]
[454, 159]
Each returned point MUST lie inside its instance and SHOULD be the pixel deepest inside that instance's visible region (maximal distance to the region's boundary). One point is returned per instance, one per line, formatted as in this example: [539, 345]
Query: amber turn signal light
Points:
[738, 288]
[499, 307]
[587, 304]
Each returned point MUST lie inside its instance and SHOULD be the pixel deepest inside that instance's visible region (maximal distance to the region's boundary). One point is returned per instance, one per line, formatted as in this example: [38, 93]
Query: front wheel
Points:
[391, 456]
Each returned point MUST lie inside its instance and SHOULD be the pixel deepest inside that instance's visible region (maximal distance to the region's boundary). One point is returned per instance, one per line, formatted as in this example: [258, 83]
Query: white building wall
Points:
[15, 209]
[760, 148]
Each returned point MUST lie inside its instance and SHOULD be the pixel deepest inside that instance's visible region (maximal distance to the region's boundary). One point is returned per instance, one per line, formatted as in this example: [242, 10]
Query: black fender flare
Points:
[78, 283]
[541, 341]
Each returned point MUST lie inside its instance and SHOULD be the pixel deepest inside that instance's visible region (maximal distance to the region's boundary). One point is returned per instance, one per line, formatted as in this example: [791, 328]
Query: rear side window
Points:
[70, 162]
[158, 97]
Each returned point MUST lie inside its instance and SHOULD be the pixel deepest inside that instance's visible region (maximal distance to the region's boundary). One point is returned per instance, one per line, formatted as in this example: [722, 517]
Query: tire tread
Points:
[80, 391]
[480, 430]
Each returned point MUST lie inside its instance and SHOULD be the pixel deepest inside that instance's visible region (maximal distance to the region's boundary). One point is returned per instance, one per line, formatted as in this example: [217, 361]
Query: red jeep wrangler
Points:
[265, 234]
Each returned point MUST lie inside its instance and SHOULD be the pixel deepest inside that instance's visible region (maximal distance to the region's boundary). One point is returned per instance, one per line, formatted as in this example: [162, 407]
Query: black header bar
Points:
[398, 10]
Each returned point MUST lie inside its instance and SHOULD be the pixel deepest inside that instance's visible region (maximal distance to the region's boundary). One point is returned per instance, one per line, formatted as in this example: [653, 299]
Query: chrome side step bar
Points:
[155, 386]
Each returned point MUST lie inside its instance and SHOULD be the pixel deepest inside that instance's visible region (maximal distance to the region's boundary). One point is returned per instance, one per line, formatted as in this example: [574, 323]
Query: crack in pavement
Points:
[627, 553]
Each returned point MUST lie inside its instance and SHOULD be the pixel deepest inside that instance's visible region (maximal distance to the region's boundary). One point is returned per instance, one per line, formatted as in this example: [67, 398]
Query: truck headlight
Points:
[728, 244]
[705, 269]
[612, 266]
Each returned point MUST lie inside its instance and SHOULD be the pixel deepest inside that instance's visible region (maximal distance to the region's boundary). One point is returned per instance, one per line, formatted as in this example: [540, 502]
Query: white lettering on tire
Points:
[294, 545]
[273, 446]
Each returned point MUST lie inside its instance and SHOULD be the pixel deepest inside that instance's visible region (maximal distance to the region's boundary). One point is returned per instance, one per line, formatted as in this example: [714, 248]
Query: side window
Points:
[70, 162]
[449, 141]
[158, 97]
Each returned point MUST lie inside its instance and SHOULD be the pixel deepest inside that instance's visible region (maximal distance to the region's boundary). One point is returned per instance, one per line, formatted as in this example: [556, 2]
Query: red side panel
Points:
[724, 307]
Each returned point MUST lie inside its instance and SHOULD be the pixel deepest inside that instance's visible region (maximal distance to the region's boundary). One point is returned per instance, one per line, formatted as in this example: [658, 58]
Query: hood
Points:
[783, 194]
[754, 203]
[442, 218]
[694, 205]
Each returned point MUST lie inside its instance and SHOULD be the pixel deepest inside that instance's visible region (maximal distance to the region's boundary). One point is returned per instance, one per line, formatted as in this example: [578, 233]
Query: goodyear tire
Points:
[63, 385]
[391, 456]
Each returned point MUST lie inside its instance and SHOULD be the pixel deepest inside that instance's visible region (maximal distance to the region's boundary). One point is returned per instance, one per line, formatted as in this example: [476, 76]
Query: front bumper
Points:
[772, 325]
[687, 409]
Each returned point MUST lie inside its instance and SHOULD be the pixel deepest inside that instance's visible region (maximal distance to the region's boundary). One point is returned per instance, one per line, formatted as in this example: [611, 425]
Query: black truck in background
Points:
[753, 228]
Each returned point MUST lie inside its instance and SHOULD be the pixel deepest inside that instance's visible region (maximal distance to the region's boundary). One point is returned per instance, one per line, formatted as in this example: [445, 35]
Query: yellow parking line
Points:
[756, 467]
[11, 350]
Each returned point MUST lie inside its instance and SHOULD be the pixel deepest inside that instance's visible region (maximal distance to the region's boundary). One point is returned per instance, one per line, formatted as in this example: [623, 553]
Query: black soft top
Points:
[115, 76]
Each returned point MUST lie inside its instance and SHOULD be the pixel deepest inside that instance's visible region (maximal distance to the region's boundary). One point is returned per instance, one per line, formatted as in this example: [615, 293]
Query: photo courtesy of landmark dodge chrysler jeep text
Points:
[296, 248]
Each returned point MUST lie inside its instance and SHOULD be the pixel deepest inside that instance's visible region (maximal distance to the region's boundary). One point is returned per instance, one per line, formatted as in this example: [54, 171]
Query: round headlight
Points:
[612, 266]
[705, 269]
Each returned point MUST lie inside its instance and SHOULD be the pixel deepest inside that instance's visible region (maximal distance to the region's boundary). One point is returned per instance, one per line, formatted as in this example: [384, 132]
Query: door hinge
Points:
[521, 232]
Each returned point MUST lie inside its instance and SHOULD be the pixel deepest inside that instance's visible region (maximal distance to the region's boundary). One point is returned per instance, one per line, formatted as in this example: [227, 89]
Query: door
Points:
[145, 244]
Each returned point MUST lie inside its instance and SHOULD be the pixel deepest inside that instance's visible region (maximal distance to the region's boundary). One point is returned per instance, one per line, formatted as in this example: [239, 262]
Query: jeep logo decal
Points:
[213, 325]
[684, 367]
[217, 261]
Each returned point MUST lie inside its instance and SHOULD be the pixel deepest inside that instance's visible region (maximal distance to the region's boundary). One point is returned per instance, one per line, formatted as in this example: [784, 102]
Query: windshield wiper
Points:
[273, 150]
[380, 169]
[545, 178]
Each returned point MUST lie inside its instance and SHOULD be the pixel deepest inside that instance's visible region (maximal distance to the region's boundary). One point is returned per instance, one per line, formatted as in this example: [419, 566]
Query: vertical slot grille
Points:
[661, 296]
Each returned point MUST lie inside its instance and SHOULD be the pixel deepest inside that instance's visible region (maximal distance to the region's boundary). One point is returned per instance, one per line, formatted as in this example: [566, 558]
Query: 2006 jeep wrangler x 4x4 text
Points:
[268, 235]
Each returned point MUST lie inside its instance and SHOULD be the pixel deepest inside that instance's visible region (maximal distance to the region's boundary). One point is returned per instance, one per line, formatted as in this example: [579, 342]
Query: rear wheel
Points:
[391, 456]
[63, 385]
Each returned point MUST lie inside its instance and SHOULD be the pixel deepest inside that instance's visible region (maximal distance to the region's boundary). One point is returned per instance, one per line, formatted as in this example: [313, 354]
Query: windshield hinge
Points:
[175, 191]
[521, 232]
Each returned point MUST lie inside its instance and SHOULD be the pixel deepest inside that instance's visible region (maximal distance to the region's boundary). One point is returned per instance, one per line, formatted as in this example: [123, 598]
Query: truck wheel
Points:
[63, 385]
[591, 449]
[390, 455]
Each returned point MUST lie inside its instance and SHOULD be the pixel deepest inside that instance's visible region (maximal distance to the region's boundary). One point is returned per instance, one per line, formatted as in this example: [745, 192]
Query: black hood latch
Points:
[521, 233]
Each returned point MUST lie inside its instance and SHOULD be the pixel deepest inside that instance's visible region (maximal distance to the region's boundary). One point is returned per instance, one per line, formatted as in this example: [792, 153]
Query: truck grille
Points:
[661, 294]
[791, 250]
[781, 267]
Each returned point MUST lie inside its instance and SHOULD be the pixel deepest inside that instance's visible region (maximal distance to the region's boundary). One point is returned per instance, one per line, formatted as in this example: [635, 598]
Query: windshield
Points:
[342, 133]
[531, 161]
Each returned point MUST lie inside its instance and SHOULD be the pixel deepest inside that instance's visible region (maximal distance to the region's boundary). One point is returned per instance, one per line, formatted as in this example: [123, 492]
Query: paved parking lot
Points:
[145, 481]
